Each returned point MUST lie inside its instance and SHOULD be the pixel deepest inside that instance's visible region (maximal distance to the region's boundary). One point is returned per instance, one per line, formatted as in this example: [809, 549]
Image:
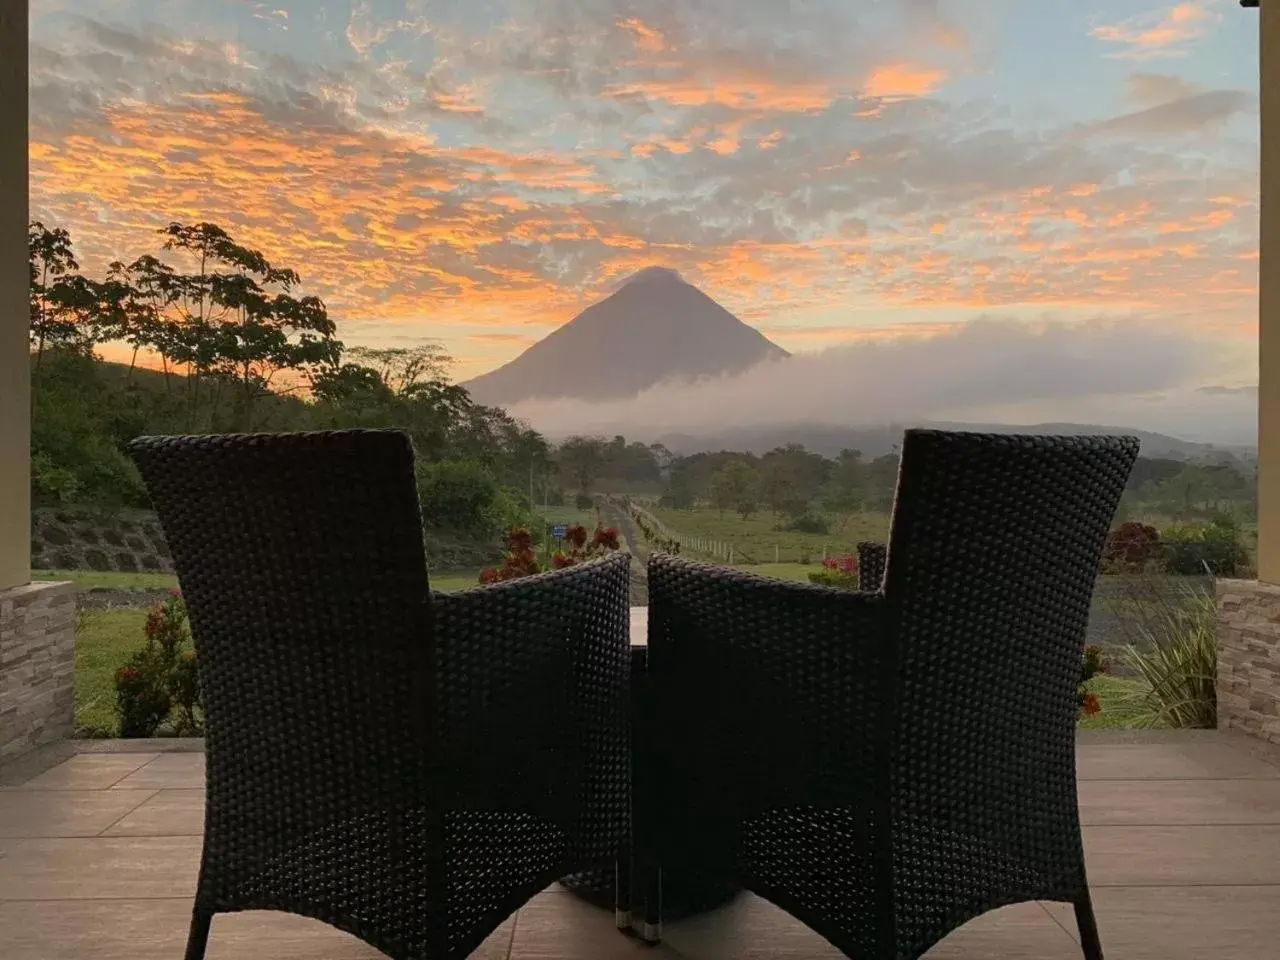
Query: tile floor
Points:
[99, 851]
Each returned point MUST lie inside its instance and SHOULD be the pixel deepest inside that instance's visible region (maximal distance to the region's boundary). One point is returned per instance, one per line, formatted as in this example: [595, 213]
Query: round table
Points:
[685, 892]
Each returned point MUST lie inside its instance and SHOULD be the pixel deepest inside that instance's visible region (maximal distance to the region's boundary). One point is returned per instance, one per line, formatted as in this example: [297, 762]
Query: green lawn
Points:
[87, 579]
[755, 541]
[1116, 695]
[104, 640]
[798, 572]
[446, 581]
[569, 515]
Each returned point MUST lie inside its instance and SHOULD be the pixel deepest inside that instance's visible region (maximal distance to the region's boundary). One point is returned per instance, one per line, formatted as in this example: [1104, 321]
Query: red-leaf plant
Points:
[520, 560]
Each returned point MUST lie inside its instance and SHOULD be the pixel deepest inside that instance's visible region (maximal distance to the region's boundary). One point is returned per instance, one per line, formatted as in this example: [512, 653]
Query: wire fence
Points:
[665, 537]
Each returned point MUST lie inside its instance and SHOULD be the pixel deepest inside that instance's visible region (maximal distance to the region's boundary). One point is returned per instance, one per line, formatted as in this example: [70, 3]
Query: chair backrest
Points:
[993, 557]
[300, 558]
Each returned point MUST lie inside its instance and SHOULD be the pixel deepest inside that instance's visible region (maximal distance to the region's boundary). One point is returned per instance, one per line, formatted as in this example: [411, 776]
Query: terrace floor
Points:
[100, 844]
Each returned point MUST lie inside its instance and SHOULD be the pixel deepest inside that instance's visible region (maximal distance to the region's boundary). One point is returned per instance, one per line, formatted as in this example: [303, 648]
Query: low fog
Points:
[1130, 374]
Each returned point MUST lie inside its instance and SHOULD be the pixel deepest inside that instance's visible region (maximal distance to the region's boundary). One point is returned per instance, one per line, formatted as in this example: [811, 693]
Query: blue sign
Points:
[559, 530]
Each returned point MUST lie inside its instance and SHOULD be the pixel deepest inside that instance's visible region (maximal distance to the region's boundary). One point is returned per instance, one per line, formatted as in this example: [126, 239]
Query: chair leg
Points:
[198, 938]
[622, 892]
[1087, 924]
[652, 930]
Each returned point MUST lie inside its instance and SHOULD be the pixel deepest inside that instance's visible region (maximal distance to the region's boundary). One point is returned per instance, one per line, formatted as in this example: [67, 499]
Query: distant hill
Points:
[829, 440]
[655, 328]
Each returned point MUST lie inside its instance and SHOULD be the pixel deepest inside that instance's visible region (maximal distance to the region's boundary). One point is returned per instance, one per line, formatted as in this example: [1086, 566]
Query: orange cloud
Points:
[898, 81]
[741, 92]
[1158, 33]
[647, 38]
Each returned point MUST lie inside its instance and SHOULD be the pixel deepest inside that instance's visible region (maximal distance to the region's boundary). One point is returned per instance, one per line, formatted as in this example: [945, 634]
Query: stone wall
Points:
[1249, 658]
[37, 666]
[82, 538]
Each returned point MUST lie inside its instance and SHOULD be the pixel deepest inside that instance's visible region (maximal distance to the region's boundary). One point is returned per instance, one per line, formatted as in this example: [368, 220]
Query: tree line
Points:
[808, 491]
[238, 348]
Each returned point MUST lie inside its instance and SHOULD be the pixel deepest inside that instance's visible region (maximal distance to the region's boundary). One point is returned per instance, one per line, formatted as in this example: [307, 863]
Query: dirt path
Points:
[616, 516]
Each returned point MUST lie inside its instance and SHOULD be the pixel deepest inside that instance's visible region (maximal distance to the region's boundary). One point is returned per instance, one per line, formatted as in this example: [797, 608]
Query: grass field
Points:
[756, 541]
[104, 640]
[799, 572]
[1116, 695]
[88, 579]
[569, 515]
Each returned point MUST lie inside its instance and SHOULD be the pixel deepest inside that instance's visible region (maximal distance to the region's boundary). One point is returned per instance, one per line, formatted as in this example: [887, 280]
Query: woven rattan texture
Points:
[887, 766]
[405, 770]
[872, 558]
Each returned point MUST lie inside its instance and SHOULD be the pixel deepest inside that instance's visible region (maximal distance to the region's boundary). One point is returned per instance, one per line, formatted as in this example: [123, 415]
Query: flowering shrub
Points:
[839, 572]
[519, 561]
[1095, 662]
[161, 682]
[1130, 546]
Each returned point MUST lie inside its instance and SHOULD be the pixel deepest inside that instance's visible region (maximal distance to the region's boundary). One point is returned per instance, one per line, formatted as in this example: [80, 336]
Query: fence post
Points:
[731, 554]
[775, 553]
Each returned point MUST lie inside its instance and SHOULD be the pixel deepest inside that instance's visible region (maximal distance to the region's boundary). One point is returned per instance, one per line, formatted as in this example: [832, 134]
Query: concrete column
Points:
[1269, 299]
[15, 356]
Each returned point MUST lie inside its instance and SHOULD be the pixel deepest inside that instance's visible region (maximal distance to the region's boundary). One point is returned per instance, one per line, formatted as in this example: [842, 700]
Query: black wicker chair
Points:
[872, 558]
[407, 768]
[887, 766]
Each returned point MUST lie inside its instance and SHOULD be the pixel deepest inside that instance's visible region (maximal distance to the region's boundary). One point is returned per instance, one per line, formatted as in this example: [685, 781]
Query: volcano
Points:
[654, 328]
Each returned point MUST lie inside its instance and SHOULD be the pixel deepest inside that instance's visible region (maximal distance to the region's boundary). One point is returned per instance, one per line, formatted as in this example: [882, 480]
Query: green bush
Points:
[460, 495]
[583, 502]
[809, 523]
[160, 682]
[830, 577]
[1210, 550]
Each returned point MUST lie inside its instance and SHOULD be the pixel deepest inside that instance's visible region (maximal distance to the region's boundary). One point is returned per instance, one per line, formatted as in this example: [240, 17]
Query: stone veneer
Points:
[1249, 658]
[37, 666]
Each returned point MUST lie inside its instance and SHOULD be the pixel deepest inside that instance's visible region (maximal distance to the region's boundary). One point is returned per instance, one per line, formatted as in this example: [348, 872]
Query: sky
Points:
[1023, 210]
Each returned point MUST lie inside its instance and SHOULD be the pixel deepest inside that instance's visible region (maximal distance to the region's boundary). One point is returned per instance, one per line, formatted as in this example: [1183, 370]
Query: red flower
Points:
[560, 560]
[155, 622]
[1092, 706]
[576, 535]
[489, 576]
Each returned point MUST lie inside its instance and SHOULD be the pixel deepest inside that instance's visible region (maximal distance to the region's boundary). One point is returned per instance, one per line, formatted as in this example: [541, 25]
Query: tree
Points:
[732, 485]
[234, 317]
[582, 459]
[60, 297]
[459, 495]
[881, 482]
[845, 488]
[405, 371]
[790, 478]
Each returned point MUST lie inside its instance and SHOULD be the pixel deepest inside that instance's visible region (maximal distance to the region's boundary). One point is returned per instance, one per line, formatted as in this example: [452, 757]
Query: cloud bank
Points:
[1125, 373]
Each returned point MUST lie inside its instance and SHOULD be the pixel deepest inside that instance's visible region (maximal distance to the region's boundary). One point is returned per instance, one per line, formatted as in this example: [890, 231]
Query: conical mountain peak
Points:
[654, 328]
